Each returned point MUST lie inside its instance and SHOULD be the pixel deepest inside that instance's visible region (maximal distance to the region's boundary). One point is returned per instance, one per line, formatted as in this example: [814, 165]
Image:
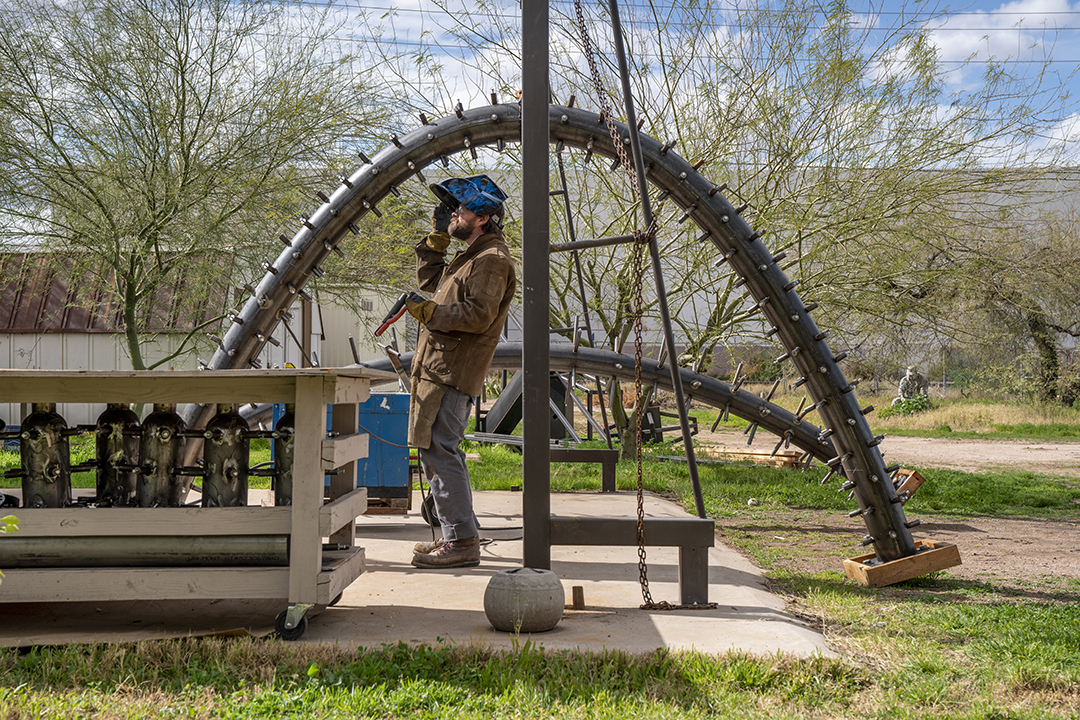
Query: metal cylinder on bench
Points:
[284, 452]
[117, 455]
[46, 460]
[225, 459]
[160, 444]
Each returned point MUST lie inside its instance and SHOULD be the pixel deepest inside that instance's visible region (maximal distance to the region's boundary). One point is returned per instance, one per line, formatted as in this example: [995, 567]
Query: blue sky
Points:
[1034, 35]
[1025, 30]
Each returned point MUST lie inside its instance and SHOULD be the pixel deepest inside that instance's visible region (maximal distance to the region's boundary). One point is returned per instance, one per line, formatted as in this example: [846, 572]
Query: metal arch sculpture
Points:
[856, 453]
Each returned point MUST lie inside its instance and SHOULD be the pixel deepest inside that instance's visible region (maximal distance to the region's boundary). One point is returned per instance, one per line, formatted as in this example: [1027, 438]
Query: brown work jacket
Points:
[472, 293]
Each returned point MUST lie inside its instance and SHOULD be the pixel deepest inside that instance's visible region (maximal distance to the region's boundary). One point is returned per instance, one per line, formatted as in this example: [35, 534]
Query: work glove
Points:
[438, 241]
[440, 218]
[420, 308]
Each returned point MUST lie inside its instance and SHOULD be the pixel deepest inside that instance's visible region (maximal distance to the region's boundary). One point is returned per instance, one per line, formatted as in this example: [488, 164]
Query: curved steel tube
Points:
[769, 416]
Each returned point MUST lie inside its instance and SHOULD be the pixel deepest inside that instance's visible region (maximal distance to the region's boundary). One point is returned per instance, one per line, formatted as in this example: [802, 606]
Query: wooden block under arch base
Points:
[929, 557]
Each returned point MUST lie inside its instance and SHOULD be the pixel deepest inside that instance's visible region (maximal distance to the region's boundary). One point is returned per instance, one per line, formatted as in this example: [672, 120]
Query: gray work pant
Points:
[445, 468]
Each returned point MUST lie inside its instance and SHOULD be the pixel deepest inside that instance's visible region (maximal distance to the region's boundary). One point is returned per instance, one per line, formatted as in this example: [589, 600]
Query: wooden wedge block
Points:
[912, 481]
[929, 557]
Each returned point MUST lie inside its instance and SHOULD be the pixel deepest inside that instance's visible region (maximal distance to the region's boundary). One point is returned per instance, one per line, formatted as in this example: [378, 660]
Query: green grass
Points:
[726, 488]
[937, 646]
[261, 679]
[947, 420]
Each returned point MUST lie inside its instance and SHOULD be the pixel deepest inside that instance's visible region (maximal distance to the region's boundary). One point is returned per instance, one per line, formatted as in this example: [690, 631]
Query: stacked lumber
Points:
[782, 458]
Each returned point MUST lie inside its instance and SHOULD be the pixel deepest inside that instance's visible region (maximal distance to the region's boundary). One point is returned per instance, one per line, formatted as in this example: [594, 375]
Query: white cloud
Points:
[1022, 30]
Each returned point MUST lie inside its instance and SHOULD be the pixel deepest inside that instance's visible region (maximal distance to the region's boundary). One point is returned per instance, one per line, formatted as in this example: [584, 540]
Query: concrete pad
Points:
[393, 601]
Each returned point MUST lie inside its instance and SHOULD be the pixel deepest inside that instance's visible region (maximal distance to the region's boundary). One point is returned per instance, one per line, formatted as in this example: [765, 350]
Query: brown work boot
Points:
[426, 547]
[451, 554]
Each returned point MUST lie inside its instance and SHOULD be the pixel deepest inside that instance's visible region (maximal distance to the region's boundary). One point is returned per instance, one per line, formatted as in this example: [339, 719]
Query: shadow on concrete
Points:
[57, 623]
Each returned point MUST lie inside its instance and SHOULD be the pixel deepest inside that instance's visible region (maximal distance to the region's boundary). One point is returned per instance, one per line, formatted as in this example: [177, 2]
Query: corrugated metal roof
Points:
[38, 295]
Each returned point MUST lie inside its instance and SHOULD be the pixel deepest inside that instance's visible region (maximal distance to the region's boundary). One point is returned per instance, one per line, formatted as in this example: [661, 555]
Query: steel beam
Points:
[586, 244]
[607, 458]
[709, 390]
[693, 537]
[535, 239]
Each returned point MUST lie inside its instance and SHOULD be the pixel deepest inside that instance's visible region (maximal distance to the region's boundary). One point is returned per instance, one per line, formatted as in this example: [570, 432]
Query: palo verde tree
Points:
[154, 141]
[1015, 285]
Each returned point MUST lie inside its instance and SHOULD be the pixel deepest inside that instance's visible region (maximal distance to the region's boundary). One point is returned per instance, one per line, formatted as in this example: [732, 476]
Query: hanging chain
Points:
[637, 311]
[619, 143]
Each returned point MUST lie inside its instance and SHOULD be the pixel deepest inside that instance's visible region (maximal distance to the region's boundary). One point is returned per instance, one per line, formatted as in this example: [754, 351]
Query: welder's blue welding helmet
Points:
[479, 194]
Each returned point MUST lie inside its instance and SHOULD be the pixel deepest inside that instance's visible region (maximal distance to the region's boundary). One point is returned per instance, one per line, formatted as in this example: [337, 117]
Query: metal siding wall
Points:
[341, 322]
[8, 412]
[51, 351]
[107, 351]
[77, 351]
[25, 351]
[74, 354]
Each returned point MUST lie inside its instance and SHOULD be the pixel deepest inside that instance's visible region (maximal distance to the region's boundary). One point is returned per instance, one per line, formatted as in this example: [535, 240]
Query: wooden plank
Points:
[344, 419]
[306, 548]
[341, 513]
[384, 510]
[167, 387]
[82, 522]
[346, 390]
[333, 581]
[782, 458]
[337, 451]
[216, 386]
[195, 375]
[64, 585]
[749, 452]
[930, 557]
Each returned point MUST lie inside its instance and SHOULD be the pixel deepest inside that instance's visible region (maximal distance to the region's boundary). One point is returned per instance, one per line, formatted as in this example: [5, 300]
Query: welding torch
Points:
[397, 310]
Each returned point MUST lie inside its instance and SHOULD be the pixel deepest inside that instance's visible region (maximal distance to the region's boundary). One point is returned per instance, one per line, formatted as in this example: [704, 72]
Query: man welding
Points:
[459, 329]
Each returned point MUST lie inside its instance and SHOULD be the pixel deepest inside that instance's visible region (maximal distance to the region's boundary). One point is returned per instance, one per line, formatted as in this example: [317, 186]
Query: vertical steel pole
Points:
[572, 234]
[305, 333]
[535, 362]
[654, 251]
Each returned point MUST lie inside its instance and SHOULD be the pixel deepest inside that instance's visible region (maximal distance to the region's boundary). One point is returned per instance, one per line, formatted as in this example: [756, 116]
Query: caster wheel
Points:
[427, 511]
[336, 600]
[285, 633]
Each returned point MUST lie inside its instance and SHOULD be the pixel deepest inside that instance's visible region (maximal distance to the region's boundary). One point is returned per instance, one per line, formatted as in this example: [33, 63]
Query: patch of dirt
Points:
[1033, 557]
[974, 455]
[970, 455]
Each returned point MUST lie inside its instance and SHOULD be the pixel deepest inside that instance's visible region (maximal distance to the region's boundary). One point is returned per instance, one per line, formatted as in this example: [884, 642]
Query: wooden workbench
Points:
[311, 578]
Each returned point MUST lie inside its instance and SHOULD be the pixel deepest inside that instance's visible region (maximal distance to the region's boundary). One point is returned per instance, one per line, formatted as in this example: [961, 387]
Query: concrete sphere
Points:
[524, 600]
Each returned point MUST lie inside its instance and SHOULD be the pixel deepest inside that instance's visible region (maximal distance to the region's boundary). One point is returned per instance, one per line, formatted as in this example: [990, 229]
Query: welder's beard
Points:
[463, 229]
